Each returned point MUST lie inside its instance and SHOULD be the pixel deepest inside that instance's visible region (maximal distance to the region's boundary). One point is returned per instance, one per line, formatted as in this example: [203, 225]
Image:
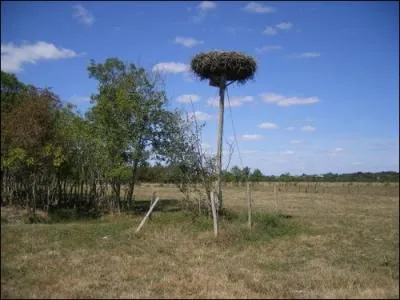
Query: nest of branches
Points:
[234, 66]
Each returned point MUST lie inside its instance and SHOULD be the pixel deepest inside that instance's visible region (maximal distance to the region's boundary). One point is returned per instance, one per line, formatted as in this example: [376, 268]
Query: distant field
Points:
[325, 240]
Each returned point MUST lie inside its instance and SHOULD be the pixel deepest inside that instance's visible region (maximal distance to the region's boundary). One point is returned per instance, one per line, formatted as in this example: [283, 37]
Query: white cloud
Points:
[291, 128]
[287, 101]
[13, 56]
[298, 101]
[83, 15]
[251, 137]
[273, 30]
[201, 116]
[207, 5]
[272, 97]
[308, 120]
[202, 10]
[268, 48]
[306, 55]
[269, 30]
[284, 26]
[338, 149]
[188, 98]
[268, 126]
[187, 42]
[296, 141]
[79, 99]
[288, 152]
[171, 67]
[234, 101]
[308, 128]
[245, 98]
[254, 7]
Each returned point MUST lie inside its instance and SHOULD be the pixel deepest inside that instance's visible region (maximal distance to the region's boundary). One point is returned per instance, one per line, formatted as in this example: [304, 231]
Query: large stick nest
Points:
[234, 66]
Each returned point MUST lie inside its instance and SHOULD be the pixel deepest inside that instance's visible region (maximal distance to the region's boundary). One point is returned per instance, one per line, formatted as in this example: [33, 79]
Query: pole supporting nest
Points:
[219, 67]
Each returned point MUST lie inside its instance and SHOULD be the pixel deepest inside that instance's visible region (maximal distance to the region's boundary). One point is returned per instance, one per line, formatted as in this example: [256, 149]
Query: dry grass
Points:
[341, 242]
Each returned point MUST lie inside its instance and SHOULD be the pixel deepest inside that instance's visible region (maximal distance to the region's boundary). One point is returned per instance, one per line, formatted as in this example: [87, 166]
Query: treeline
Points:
[167, 174]
[53, 157]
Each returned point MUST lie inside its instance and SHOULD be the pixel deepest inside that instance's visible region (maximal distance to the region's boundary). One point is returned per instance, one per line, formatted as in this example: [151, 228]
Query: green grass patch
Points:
[265, 227]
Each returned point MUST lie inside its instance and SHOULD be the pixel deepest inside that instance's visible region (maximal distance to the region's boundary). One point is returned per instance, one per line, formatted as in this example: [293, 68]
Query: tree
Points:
[130, 114]
[237, 174]
[256, 176]
[28, 147]
[245, 173]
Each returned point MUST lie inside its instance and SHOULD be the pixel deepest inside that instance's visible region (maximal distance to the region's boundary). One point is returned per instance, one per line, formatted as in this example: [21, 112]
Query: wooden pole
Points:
[249, 204]
[222, 86]
[147, 215]
[214, 213]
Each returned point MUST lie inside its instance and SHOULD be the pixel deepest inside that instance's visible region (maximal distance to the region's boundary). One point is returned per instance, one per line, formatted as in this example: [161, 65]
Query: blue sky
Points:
[325, 97]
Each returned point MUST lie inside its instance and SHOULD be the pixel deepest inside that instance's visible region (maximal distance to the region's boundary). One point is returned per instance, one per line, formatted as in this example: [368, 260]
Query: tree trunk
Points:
[118, 197]
[132, 183]
[4, 188]
[64, 193]
[10, 190]
[70, 197]
[48, 198]
[33, 206]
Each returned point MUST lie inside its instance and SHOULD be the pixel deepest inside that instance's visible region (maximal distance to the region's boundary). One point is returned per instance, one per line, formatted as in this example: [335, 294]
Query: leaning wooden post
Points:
[249, 204]
[214, 213]
[147, 215]
[153, 198]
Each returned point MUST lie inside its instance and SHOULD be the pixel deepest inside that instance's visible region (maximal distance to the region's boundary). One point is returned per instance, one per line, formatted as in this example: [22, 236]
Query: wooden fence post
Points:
[249, 204]
[147, 215]
[276, 197]
[214, 213]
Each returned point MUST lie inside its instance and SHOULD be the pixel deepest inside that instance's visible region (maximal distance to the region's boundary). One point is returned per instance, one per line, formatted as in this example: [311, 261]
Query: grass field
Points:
[312, 241]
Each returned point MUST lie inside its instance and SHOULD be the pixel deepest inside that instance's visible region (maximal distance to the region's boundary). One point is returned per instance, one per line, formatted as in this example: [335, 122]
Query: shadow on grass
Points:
[164, 205]
[140, 207]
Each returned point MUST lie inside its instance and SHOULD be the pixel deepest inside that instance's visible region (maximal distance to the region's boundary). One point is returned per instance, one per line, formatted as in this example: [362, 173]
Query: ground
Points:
[311, 241]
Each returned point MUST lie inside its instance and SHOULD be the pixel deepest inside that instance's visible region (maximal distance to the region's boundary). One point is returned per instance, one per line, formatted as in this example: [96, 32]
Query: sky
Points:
[325, 97]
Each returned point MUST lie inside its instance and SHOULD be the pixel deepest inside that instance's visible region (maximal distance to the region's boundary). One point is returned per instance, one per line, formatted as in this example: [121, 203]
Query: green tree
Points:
[130, 114]
[237, 174]
[28, 137]
[256, 176]
[245, 173]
